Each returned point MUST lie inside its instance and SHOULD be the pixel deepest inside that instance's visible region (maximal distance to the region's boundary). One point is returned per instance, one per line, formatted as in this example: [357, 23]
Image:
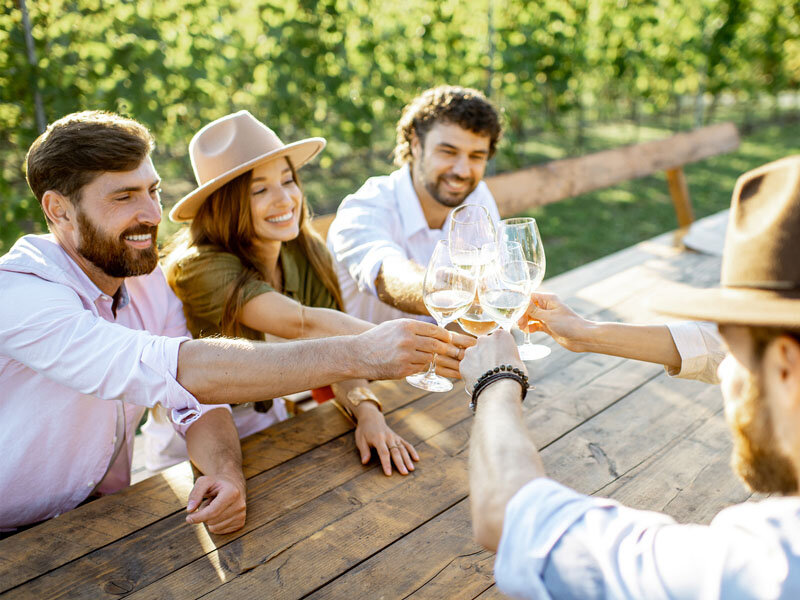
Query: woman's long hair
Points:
[225, 220]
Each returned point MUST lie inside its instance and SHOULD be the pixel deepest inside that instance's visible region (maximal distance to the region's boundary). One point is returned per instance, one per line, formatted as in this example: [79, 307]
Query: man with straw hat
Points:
[554, 542]
[91, 335]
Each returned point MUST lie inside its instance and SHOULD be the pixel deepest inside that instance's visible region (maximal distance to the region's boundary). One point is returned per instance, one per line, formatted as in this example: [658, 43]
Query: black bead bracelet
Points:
[492, 375]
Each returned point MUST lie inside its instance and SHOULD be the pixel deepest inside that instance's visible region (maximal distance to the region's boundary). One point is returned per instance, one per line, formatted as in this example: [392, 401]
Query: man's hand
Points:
[219, 502]
[495, 349]
[546, 312]
[401, 347]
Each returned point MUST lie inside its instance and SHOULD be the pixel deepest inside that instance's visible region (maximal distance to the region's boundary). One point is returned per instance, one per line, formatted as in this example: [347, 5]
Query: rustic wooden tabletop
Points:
[321, 525]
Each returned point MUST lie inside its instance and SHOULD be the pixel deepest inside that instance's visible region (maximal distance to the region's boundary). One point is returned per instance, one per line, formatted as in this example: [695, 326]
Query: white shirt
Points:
[384, 218]
[701, 348]
[557, 543]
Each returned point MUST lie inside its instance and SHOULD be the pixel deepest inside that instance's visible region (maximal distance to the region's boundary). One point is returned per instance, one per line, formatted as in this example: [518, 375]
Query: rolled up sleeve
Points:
[701, 349]
[52, 333]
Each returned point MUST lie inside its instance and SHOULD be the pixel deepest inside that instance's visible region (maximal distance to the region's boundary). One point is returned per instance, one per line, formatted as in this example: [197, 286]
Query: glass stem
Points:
[526, 338]
[431, 372]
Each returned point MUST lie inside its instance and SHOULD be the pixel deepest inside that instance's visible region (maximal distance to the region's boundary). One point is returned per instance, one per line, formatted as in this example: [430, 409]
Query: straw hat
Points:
[760, 281]
[230, 146]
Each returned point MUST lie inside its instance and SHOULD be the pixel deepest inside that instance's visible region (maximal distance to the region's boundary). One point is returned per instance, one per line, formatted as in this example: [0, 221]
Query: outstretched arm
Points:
[502, 456]
[650, 343]
[233, 371]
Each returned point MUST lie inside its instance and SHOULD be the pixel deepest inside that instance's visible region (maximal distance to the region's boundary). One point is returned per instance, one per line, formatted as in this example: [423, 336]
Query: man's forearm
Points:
[650, 343]
[213, 444]
[220, 371]
[399, 283]
[502, 459]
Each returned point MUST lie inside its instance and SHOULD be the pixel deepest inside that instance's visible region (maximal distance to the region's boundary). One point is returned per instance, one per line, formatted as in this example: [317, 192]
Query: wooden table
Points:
[321, 525]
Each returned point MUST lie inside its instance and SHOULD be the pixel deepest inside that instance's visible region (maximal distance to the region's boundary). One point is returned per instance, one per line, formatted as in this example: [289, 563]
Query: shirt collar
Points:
[410, 208]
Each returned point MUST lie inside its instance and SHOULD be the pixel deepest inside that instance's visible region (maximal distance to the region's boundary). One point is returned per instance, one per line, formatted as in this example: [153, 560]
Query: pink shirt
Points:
[74, 377]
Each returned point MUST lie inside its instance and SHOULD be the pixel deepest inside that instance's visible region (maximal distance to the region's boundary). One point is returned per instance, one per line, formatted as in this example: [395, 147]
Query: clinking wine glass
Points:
[448, 291]
[471, 227]
[504, 286]
[525, 232]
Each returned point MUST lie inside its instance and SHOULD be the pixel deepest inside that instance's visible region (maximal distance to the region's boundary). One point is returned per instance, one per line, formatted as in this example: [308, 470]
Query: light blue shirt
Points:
[557, 543]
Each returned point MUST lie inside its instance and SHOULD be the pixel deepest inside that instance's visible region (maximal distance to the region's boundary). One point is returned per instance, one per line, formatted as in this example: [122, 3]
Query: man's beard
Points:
[113, 256]
[434, 188]
[756, 459]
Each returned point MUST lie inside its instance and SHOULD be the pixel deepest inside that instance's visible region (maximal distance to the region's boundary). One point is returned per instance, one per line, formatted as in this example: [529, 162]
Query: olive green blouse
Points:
[204, 278]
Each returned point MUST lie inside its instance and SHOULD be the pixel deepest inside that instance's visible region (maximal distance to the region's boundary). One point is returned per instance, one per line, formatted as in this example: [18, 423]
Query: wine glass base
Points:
[533, 351]
[431, 383]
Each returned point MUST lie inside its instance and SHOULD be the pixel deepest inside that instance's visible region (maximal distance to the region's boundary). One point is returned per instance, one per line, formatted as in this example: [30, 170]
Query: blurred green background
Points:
[571, 77]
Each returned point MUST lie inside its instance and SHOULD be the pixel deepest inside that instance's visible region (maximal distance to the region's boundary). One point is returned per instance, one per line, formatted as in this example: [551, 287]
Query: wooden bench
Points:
[521, 190]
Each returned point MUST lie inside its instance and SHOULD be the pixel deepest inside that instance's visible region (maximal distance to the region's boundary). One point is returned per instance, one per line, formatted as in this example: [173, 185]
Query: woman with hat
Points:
[250, 264]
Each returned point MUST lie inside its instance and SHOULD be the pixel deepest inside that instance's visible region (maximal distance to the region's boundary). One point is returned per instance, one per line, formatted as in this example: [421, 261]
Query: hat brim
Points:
[733, 306]
[298, 152]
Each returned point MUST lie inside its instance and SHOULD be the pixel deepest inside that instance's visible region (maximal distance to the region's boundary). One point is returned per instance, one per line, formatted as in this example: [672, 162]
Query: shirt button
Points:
[90, 484]
[115, 440]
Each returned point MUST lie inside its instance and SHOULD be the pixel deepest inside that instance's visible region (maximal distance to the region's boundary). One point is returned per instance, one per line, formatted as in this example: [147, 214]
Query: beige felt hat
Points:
[760, 280]
[230, 146]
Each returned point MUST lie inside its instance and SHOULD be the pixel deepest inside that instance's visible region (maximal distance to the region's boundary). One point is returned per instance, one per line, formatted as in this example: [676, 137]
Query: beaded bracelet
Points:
[492, 375]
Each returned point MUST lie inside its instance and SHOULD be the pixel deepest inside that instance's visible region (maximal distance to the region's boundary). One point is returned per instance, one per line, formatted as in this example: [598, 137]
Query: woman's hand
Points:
[546, 312]
[373, 432]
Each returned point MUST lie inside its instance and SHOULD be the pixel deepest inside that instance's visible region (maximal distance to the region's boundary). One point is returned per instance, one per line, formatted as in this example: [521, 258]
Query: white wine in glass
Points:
[525, 232]
[448, 291]
[476, 322]
[504, 287]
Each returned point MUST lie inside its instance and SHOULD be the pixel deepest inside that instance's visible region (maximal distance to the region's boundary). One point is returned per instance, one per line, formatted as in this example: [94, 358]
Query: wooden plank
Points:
[454, 566]
[690, 479]
[492, 594]
[630, 431]
[543, 184]
[168, 544]
[679, 192]
[86, 528]
[305, 548]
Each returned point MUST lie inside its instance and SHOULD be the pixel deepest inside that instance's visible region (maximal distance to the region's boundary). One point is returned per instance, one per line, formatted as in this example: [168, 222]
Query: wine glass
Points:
[472, 227]
[525, 232]
[504, 286]
[448, 291]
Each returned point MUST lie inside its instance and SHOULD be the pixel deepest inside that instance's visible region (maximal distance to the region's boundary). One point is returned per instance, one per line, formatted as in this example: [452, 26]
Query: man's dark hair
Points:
[465, 107]
[77, 148]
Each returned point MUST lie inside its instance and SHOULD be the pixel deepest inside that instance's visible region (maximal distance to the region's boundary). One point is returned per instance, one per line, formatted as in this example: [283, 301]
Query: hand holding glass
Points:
[448, 291]
[525, 232]
[504, 287]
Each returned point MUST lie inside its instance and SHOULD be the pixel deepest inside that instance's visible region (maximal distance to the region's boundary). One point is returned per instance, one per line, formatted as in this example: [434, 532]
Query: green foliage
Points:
[343, 69]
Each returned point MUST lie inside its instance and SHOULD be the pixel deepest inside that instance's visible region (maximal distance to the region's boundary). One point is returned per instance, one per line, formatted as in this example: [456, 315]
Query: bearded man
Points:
[553, 542]
[384, 234]
[91, 335]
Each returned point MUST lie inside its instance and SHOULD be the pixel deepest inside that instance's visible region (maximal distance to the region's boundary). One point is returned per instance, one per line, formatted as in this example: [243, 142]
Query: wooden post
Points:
[679, 190]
